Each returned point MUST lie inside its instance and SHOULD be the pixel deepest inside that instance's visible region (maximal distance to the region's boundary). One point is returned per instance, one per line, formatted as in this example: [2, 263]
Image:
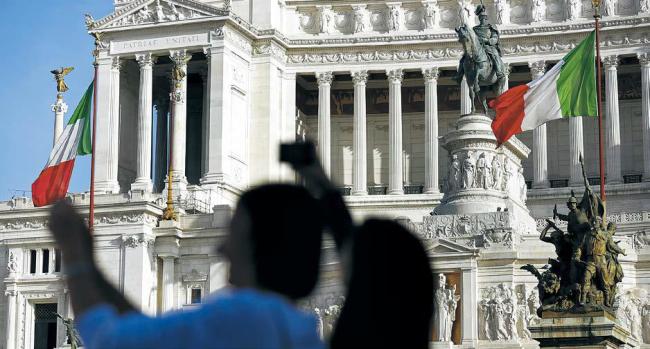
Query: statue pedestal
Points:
[596, 329]
[482, 216]
[485, 196]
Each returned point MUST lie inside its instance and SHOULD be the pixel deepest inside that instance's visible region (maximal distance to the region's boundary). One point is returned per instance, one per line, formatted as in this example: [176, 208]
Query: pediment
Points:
[438, 247]
[142, 12]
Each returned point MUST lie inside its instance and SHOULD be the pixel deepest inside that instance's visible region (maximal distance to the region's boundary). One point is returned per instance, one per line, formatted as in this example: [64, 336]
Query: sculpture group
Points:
[445, 301]
[586, 270]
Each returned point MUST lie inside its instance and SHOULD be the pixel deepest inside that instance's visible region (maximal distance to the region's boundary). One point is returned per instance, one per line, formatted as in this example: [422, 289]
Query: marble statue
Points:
[360, 19]
[586, 271]
[326, 20]
[482, 172]
[496, 172]
[481, 63]
[176, 15]
[468, 172]
[573, 8]
[394, 18]
[498, 313]
[644, 6]
[523, 314]
[454, 173]
[608, 7]
[538, 10]
[71, 332]
[160, 14]
[445, 301]
[12, 263]
[90, 21]
[59, 76]
[503, 11]
[465, 10]
[319, 322]
[523, 188]
[431, 15]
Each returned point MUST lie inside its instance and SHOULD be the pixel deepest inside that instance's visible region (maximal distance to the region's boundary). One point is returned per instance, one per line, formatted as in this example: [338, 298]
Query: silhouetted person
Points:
[389, 300]
[274, 250]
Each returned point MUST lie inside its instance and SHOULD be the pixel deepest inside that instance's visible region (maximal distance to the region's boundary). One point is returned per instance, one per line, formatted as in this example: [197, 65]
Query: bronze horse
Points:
[477, 68]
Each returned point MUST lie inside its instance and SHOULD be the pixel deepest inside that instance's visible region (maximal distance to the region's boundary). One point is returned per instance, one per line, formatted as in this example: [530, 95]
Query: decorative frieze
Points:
[133, 241]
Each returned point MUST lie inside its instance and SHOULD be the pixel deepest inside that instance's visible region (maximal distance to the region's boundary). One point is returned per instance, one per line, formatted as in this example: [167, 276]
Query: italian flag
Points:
[566, 90]
[52, 184]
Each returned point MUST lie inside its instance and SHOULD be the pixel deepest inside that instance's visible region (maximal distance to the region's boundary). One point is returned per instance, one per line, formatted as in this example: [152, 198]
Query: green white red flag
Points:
[566, 90]
[52, 184]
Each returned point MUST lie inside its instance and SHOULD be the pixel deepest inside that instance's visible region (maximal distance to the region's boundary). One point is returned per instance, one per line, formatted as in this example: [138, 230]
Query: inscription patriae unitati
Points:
[160, 43]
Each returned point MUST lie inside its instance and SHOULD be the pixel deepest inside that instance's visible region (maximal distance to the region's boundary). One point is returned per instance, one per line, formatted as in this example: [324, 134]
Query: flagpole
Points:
[596, 5]
[91, 209]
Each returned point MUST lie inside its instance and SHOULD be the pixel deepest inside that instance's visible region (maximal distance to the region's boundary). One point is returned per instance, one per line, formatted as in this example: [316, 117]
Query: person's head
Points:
[442, 280]
[275, 240]
[389, 301]
[572, 204]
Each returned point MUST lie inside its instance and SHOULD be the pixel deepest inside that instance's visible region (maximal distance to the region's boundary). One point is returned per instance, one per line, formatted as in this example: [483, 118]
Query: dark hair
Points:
[389, 302]
[286, 234]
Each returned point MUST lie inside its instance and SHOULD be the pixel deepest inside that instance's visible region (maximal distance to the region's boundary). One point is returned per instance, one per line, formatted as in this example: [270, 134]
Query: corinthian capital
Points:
[145, 60]
[360, 77]
[430, 73]
[324, 78]
[395, 75]
[180, 57]
[610, 61]
[644, 58]
[537, 68]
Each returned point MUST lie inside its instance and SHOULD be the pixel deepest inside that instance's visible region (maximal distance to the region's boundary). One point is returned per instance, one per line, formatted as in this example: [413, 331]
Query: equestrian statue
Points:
[481, 64]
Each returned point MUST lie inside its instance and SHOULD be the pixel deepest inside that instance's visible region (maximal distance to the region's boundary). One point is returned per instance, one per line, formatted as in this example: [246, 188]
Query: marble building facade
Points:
[372, 82]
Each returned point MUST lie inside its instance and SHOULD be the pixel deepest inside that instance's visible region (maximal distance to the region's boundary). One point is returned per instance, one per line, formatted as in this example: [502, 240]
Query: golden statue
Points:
[59, 74]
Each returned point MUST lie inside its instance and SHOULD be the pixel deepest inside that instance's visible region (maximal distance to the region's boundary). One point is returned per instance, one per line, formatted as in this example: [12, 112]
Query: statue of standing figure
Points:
[445, 300]
[497, 172]
[482, 172]
[454, 173]
[468, 172]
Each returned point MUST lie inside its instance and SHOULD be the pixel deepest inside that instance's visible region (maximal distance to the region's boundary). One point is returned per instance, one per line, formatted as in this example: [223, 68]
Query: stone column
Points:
[507, 69]
[395, 182]
[288, 133]
[469, 301]
[644, 61]
[465, 101]
[359, 162]
[162, 107]
[10, 333]
[217, 109]
[324, 122]
[114, 124]
[205, 132]
[168, 283]
[430, 130]
[612, 123]
[179, 99]
[107, 137]
[59, 108]
[540, 160]
[576, 147]
[145, 122]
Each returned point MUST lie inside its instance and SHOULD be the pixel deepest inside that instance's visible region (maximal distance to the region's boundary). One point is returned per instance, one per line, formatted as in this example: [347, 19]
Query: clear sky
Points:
[38, 36]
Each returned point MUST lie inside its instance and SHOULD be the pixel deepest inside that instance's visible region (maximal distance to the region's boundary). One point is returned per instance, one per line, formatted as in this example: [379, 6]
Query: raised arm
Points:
[302, 158]
[88, 287]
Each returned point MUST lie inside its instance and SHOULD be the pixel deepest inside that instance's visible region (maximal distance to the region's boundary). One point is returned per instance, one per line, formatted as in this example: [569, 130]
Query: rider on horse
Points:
[489, 38]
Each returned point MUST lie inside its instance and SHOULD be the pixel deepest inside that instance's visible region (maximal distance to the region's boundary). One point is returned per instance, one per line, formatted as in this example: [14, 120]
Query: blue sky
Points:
[38, 36]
